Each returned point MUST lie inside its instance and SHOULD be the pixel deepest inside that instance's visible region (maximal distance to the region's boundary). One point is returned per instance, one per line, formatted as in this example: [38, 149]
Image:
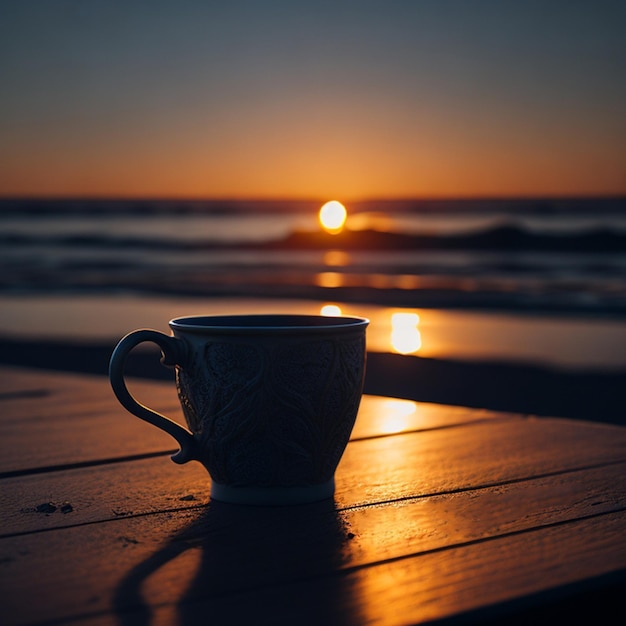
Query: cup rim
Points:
[264, 323]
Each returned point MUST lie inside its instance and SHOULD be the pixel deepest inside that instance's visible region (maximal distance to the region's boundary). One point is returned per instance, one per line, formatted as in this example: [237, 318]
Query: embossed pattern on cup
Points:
[275, 412]
[270, 400]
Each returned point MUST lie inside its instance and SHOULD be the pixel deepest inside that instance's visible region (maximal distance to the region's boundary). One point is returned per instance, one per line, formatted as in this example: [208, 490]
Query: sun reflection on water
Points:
[336, 258]
[329, 280]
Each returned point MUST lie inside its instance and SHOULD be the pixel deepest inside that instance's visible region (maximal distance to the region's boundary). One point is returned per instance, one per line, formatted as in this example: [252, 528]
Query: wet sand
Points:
[529, 389]
[556, 366]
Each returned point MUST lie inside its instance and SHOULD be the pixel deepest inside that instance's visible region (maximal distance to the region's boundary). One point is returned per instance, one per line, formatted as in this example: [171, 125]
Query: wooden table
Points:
[441, 513]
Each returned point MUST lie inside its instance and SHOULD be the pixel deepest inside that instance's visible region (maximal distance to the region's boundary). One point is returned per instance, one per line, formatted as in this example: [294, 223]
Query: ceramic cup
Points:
[270, 400]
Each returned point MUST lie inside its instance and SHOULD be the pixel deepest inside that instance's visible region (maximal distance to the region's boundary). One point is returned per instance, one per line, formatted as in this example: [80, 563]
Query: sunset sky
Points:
[289, 98]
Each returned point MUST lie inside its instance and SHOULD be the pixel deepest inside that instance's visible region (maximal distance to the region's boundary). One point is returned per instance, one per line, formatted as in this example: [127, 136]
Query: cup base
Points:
[272, 496]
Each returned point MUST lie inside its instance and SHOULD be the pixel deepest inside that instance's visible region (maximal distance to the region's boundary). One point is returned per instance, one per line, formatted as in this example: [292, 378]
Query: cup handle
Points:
[172, 350]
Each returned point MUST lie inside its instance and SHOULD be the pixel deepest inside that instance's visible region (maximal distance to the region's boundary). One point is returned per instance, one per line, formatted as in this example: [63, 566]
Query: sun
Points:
[333, 216]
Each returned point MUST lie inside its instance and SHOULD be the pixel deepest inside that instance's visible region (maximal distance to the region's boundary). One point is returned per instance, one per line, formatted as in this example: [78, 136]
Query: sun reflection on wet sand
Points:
[330, 310]
[460, 335]
[405, 334]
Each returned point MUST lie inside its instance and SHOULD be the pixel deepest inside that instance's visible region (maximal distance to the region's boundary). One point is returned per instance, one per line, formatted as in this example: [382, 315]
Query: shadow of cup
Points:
[256, 565]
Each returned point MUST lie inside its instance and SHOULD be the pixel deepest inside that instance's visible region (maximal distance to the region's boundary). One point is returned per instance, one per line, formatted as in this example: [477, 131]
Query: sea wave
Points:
[521, 257]
[503, 237]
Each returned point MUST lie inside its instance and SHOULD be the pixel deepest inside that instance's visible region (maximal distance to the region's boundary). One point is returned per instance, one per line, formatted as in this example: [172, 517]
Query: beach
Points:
[514, 307]
[508, 362]
[453, 173]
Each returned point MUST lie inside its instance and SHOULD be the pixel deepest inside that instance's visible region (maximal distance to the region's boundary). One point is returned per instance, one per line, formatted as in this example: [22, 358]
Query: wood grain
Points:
[375, 470]
[77, 418]
[242, 547]
[461, 513]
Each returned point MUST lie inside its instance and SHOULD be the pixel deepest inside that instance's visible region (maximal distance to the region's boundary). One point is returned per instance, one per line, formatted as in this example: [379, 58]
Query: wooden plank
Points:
[465, 510]
[380, 416]
[585, 492]
[92, 494]
[58, 395]
[473, 455]
[371, 471]
[483, 579]
[65, 419]
[419, 558]
[53, 419]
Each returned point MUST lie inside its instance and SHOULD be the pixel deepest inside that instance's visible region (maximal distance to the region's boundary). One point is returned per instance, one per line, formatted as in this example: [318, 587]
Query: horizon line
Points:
[376, 198]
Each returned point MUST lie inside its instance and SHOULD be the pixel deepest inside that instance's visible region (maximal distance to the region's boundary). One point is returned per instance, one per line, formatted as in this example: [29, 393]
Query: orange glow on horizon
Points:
[152, 172]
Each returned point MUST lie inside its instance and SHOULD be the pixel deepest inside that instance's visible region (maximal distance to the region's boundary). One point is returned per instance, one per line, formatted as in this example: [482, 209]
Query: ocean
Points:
[533, 280]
